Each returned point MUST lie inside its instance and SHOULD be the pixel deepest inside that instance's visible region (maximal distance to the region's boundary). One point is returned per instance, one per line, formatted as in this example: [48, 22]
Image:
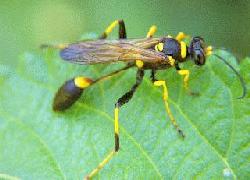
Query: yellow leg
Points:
[165, 98]
[151, 31]
[186, 73]
[180, 36]
[101, 165]
[110, 28]
[113, 152]
[209, 50]
[121, 101]
[116, 129]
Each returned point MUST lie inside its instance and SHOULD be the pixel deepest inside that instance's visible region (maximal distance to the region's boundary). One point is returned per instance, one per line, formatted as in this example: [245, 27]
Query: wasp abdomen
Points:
[70, 92]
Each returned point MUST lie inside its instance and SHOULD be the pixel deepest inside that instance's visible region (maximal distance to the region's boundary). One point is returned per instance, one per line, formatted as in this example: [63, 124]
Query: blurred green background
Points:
[26, 24]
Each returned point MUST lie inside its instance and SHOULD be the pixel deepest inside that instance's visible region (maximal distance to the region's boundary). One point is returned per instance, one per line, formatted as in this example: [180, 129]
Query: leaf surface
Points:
[37, 143]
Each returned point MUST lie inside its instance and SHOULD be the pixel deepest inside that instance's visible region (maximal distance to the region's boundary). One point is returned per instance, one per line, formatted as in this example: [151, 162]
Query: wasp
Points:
[144, 54]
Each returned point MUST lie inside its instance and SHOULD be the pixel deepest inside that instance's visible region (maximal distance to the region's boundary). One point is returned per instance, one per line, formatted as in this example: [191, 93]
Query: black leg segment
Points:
[122, 29]
[152, 76]
[128, 95]
[123, 100]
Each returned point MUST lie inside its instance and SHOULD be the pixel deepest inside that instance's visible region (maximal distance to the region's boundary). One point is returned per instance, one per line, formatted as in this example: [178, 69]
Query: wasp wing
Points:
[106, 51]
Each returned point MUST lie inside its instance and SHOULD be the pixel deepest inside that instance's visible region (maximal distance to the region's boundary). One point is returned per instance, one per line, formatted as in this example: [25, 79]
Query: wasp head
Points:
[197, 50]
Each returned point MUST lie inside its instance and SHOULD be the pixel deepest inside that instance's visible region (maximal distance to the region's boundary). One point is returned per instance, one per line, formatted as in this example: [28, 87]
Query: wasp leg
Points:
[125, 99]
[186, 73]
[101, 165]
[139, 63]
[121, 101]
[109, 29]
[181, 36]
[165, 98]
[151, 31]
[129, 65]
[72, 89]
[152, 76]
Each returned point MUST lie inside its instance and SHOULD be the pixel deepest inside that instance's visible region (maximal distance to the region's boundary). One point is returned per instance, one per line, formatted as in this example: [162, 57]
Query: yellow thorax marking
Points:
[180, 36]
[183, 49]
[171, 60]
[159, 47]
[82, 82]
[151, 31]
[111, 26]
[209, 50]
[139, 63]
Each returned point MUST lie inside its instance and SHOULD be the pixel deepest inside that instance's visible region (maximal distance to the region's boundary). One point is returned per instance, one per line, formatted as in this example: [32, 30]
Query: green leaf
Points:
[37, 143]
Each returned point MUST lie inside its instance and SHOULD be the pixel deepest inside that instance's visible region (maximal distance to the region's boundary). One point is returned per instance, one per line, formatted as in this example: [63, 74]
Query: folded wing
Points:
[106, 51]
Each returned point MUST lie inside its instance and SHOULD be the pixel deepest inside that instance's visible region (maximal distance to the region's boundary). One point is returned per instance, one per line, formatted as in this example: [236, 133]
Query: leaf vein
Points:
[50, 154]
[140, 148]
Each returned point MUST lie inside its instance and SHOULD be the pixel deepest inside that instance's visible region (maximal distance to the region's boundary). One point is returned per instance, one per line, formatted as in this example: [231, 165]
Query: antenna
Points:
[243, 84]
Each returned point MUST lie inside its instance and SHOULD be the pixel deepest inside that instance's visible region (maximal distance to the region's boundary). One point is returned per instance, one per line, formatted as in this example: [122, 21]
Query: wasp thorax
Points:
[172, 48]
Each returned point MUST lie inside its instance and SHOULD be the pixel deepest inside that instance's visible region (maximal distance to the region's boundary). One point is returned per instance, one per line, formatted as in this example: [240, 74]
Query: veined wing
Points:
[105, 51]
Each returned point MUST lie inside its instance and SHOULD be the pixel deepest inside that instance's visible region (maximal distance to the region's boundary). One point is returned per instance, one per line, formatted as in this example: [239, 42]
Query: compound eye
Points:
[202, 59]
[199, 58]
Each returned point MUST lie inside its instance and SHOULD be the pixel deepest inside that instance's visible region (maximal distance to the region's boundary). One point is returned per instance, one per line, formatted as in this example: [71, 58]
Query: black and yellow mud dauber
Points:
[144, 54]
